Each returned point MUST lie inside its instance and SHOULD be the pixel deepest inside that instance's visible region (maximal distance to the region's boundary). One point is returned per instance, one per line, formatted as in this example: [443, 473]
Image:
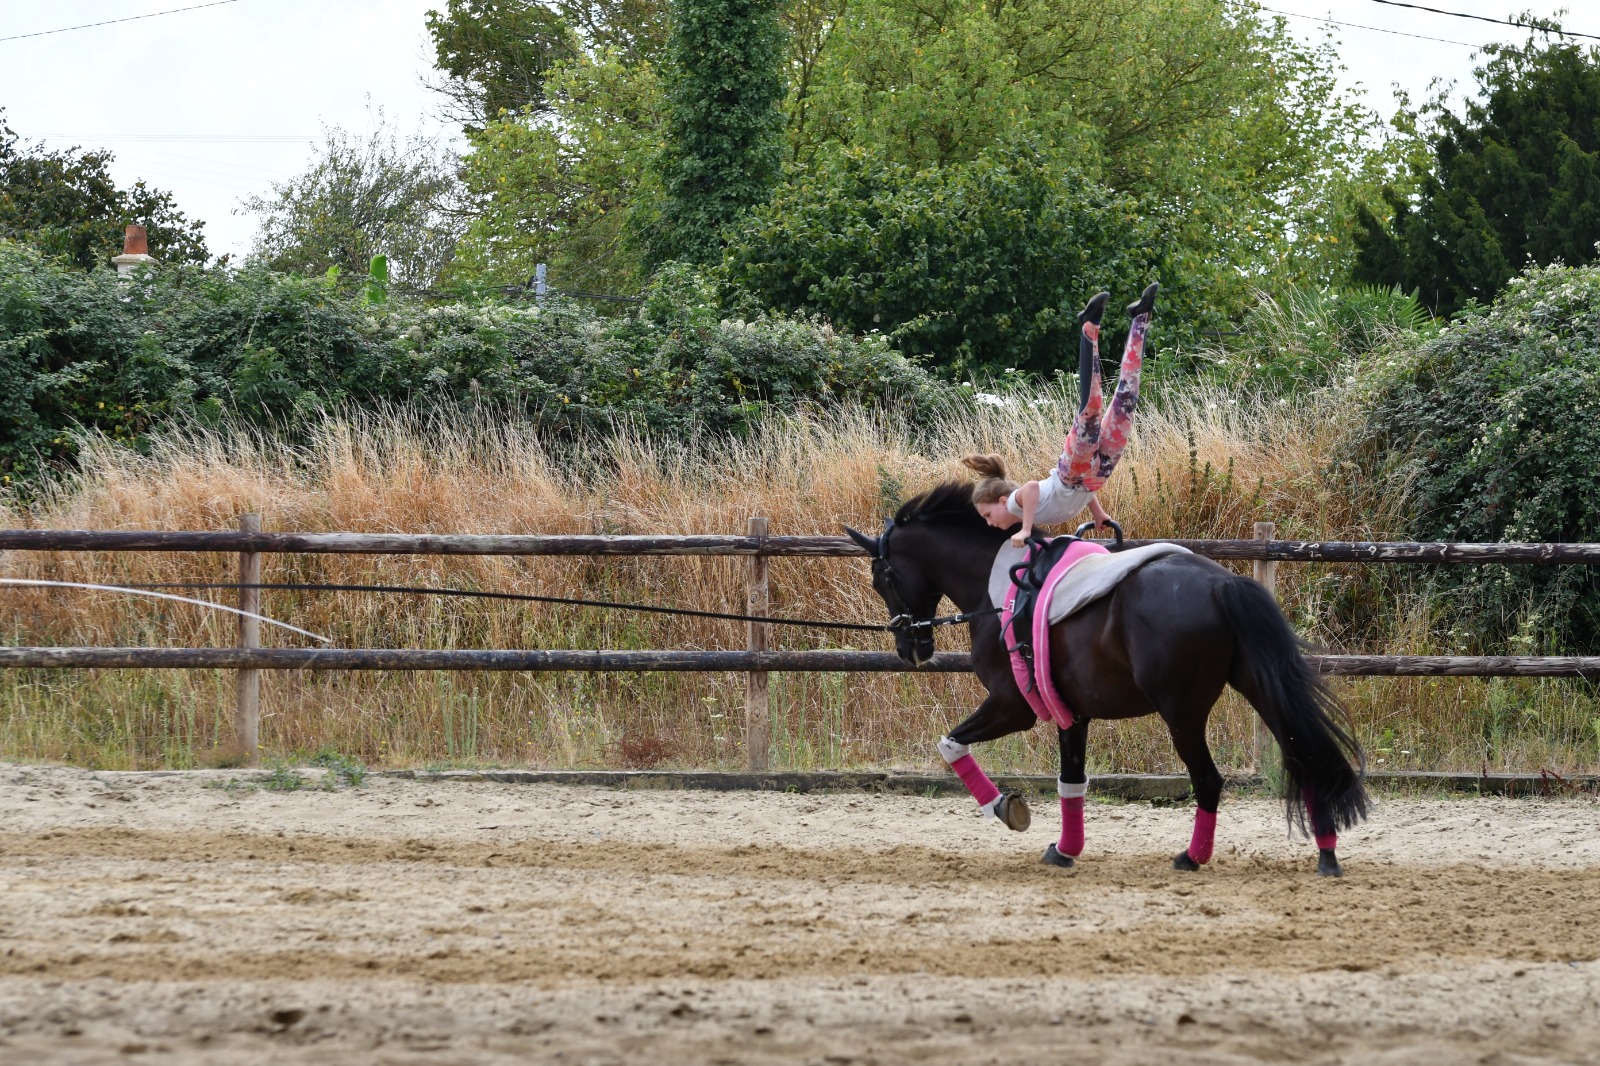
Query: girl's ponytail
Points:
[992, 481]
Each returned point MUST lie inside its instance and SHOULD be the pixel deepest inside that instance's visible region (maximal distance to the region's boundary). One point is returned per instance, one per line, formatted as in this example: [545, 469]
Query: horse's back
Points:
[1158, 633]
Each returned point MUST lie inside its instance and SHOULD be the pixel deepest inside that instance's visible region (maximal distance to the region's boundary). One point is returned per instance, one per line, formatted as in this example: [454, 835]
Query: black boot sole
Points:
[1146, 303]
[1095, 309]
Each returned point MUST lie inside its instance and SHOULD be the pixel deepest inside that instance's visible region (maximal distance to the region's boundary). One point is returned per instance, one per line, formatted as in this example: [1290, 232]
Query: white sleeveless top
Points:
[1057, 503]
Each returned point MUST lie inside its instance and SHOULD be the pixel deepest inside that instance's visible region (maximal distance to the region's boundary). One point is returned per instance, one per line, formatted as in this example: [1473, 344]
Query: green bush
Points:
[83, 349]
[1306, 336]
[1492, 430]
[981, 267]
[674, 366]
[71, 352]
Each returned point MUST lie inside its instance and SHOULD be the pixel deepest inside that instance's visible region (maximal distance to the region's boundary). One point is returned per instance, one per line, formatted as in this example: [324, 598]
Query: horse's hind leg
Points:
[1327, 838]
[1189, 738]
[1072, 786]
[994, 718]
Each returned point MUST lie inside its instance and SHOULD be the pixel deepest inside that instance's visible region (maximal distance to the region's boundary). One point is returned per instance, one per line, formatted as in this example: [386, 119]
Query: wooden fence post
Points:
[1266, 572]
[247, 683]
[757, 718]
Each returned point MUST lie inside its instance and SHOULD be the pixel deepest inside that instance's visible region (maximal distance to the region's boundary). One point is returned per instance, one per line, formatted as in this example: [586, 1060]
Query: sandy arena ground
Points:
[153, 918]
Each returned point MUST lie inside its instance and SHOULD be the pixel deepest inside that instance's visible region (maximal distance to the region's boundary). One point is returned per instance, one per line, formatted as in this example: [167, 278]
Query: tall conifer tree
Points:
[1514, 181]
[724, 138]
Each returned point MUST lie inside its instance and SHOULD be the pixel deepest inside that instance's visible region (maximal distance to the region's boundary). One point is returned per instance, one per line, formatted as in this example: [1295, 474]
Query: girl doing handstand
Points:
[1093, 445]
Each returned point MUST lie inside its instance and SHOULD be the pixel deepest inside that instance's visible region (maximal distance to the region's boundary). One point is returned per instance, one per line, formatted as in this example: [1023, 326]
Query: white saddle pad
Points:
[1093, 577]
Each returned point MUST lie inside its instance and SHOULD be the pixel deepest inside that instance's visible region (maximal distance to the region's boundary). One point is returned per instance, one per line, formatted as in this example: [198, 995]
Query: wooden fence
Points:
[757, 660]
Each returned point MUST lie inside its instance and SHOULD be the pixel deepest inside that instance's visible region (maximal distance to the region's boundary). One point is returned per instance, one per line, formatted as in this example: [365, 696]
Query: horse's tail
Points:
[1322, 762]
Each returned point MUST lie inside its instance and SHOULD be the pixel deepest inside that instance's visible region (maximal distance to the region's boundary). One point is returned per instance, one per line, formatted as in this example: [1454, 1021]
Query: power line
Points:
[113, 22]
[1374, 29]
[1483, 18]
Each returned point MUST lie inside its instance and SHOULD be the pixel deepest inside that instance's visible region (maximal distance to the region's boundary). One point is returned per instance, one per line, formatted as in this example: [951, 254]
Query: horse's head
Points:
[906, 591]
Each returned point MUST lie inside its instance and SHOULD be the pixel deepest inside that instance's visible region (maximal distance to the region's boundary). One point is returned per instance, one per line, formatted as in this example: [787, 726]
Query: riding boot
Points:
[1146, 303]
[1089, 344]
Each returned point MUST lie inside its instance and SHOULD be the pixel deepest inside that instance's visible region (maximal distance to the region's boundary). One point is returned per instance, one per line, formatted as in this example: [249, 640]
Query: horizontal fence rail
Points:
[757, 661]
[1303, 551]
[531, 660]
[870, 662]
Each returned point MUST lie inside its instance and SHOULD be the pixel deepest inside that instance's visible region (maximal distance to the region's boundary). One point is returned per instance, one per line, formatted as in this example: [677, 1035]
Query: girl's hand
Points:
[1020, 540]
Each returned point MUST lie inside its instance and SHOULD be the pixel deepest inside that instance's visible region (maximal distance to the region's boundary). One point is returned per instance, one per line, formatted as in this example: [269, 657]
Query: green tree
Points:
[498, 55]
[363, 197]
[724, 124]
[573, 188]
[1228, 135]
[1216, 120]
[66, 204]
[981, 265]
[1513, 180]
[635, 31]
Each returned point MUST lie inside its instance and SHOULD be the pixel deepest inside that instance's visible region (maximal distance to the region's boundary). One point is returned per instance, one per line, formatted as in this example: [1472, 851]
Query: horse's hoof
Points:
[1328, 864]
[1013, 811]
[1183, 862]
[1052, 857]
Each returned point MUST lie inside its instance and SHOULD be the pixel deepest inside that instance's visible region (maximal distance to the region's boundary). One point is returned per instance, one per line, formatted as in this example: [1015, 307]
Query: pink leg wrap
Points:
[1071, 842]
[1204, 837]
[983, 790]
[1325, 841]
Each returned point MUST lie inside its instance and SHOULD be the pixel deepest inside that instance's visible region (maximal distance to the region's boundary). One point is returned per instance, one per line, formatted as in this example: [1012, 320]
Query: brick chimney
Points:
[135, 251]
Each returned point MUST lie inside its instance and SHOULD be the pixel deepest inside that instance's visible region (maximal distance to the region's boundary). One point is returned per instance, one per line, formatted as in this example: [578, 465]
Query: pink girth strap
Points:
[1041, 694]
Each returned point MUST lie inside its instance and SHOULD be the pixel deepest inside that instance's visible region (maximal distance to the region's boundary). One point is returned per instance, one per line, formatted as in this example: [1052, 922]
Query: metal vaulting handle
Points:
[1087, 526]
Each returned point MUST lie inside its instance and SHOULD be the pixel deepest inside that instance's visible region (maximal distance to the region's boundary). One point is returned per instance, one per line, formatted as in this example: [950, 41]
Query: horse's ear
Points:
[868, 544]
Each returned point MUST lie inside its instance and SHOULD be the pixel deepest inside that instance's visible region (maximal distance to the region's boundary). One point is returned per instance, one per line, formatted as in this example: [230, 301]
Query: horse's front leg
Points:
[997, 716]
[1073, 787]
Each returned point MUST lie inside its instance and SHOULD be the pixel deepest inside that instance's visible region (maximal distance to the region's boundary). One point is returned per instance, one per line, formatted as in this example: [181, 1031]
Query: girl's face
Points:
[994, 512]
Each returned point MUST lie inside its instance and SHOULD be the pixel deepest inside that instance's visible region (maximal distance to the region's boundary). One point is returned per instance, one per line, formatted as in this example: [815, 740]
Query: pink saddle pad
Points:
[1040, 689]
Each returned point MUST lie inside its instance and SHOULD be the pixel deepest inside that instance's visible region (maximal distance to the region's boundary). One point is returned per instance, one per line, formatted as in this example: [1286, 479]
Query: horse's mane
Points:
[949, 504]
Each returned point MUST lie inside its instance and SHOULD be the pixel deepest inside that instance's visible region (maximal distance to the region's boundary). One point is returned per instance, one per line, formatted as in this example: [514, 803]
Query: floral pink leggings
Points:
[1093, 446]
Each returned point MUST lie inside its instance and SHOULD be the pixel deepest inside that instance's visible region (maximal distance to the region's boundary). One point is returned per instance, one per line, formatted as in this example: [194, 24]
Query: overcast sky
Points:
[217, 103]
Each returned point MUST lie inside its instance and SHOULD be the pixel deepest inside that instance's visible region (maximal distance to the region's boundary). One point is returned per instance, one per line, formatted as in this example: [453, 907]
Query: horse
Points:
[1166, 641]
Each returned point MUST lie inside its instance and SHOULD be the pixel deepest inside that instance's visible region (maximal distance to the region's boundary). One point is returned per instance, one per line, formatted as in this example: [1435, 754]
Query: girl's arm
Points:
[1099, 513]
[1028, 500]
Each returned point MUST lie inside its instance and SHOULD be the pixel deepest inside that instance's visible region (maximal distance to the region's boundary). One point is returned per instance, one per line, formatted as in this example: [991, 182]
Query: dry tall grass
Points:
[1202, 466]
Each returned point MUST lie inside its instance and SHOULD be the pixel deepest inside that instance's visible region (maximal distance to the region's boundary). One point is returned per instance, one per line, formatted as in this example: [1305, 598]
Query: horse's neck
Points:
[960, 570]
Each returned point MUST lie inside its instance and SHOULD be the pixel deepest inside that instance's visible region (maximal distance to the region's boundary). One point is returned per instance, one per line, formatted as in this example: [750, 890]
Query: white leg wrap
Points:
[989, 809]
[1067, 792]
[951, 751]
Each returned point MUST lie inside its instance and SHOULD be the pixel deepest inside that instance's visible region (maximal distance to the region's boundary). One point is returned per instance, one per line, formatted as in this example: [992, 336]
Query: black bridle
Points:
[901, 617]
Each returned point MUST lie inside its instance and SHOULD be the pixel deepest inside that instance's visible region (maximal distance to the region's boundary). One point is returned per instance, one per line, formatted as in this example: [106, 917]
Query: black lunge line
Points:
[423, 590]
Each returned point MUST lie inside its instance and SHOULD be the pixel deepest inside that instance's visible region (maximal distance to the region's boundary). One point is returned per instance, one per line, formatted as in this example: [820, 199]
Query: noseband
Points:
[901, 617]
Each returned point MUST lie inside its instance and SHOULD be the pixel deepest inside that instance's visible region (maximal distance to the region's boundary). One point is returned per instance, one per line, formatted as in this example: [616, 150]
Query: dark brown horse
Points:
[1165, 642]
